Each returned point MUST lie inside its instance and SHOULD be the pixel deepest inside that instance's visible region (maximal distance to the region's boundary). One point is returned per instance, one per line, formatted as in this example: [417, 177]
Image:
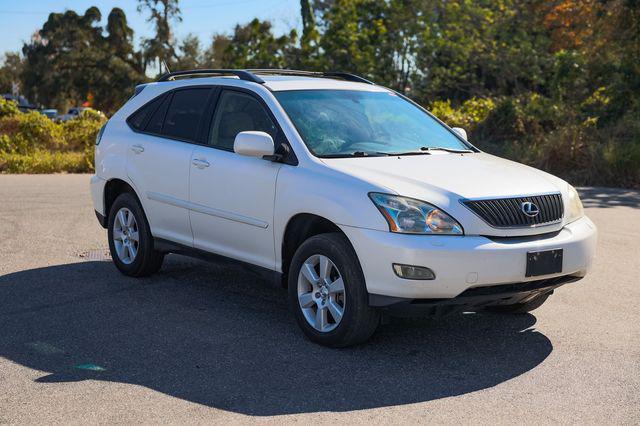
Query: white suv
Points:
[354, 197]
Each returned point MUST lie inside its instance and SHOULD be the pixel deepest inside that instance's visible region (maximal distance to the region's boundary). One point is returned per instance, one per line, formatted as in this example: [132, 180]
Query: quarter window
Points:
[155, 123]
[238, 112]
[139, 118]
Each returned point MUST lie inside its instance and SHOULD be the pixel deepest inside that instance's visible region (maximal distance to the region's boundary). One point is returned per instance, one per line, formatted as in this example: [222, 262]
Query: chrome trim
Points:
[199, 208]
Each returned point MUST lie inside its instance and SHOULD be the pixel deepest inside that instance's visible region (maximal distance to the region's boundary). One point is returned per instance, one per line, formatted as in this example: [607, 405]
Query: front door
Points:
[232, 196]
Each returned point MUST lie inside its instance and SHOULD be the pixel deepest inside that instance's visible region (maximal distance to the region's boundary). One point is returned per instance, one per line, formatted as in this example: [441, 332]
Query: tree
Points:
[11, 72]
[214, 56]
[161, 47]
[190, 56]
[254, 46]
[69, 61]
[372, 38]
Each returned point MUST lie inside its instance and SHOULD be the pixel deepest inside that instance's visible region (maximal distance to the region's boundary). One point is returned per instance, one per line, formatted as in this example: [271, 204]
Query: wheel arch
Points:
[299, 228]
[112, 189]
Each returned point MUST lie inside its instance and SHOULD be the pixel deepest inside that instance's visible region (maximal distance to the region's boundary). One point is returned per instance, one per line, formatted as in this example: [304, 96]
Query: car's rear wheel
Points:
[327, 292]
[520, 308]
[130, 239]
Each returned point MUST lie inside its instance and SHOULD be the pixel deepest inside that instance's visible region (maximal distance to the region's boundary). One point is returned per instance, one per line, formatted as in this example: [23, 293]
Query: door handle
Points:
[138, 149]
[200, 163]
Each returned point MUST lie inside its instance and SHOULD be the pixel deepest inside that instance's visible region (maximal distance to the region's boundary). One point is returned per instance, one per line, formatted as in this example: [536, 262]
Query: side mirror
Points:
[253, 144]
[461, 132]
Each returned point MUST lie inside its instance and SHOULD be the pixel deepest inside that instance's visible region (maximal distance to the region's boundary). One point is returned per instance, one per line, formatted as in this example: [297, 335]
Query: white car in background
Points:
[356, 198]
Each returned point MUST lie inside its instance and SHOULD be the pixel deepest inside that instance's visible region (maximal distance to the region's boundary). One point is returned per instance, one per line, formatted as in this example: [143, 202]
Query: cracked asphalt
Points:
[208, 343]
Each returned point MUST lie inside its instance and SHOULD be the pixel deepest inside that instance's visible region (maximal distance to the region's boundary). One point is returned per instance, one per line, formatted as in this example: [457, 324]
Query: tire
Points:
[520, 308]
[146, 260]
[358, 320]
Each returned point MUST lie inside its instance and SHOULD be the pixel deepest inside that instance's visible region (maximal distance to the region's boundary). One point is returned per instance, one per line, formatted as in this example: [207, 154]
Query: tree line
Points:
[555, 83]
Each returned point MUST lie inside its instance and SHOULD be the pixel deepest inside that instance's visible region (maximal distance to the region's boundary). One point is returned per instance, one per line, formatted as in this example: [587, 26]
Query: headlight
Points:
[574, 210]
[409, 216]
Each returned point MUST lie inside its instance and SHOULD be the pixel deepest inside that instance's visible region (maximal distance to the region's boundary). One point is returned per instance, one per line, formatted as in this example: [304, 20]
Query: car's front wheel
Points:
[130, 239]
[327, 292]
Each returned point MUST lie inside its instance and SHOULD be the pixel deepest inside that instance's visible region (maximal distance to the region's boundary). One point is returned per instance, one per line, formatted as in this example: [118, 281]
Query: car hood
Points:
[444, 179]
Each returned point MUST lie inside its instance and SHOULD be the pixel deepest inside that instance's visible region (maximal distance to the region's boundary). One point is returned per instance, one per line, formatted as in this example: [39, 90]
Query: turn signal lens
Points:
[575, 210]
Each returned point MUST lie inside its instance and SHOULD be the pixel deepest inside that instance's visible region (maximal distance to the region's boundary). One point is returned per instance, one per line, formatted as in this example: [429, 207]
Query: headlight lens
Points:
[409, 216]
[575, 210]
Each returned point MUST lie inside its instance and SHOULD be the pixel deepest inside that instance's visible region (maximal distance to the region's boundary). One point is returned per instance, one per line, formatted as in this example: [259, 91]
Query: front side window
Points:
[184, 114]
[238, 112]
[343, 123]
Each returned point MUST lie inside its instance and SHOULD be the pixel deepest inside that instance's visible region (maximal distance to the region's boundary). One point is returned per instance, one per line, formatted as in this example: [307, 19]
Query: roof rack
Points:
[252, 74]
[241, 74]
[332, 74]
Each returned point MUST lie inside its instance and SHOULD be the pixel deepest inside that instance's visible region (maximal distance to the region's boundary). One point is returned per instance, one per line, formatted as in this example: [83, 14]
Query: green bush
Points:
[32, 143]
[45, 162]
[568, 141]
[467, 116]
[8, 108]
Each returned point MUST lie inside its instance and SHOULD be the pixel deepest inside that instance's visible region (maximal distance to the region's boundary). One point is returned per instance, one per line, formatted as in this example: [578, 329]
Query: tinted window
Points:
[238, 112]
[138, 119]
[155, 123]
[185, 111]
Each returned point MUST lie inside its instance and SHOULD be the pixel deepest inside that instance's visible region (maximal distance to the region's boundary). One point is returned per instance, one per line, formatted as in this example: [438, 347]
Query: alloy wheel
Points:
[126, 237]
[321, 293]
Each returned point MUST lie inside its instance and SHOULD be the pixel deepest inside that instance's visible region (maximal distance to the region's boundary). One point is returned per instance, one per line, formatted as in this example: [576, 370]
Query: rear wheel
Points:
[520, 308]
[130, 239]
[327, 292]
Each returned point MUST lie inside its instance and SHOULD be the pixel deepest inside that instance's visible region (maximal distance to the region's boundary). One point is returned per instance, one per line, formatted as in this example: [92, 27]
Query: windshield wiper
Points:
[356, 154]
[424, 150]
[441, 148]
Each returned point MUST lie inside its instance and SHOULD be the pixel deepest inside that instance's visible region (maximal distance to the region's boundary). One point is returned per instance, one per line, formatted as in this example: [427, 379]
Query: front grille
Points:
[508, 212]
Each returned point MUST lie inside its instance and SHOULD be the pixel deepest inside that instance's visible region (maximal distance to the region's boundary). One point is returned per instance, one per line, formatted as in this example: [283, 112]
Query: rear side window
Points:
[139, 118]
[184, 114]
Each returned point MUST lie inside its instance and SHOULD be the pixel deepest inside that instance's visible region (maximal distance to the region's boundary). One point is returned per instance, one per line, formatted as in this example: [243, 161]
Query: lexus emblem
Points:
[530, 209]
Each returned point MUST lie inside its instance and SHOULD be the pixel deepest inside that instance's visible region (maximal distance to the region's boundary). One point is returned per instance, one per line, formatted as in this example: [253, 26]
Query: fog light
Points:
[413, 272]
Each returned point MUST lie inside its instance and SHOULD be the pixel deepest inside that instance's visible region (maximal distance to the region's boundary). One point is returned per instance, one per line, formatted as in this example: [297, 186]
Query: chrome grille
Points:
[508, 212]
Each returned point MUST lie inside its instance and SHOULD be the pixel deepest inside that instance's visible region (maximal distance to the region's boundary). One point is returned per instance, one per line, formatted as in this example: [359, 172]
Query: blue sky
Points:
[19, 19]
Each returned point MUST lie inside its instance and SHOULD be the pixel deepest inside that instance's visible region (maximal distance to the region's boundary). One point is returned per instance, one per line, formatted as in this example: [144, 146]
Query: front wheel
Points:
[327, 292]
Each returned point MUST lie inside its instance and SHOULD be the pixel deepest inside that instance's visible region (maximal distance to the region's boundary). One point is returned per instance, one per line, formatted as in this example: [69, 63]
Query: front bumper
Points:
[464, 262]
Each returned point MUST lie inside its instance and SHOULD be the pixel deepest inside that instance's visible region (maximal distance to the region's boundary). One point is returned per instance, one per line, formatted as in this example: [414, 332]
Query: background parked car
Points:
[23, 104]
[51, 113]
[71, 114]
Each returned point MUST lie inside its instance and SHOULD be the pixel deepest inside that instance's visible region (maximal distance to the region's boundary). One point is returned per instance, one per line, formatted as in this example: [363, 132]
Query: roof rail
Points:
[331, 74]
[252, 74]
[241, 74]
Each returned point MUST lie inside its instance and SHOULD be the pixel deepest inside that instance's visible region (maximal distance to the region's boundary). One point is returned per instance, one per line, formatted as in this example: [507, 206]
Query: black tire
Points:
[359, 320]
[520, 308]
[147, 260]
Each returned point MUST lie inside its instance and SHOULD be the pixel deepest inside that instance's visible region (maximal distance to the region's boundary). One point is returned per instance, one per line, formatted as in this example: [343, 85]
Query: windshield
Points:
[344, 123]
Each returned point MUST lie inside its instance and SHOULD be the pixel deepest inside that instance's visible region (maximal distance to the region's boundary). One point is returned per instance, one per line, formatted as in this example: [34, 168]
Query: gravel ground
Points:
[203, 343]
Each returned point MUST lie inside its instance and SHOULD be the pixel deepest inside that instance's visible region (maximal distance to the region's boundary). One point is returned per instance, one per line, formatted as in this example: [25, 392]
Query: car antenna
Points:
[166, 66]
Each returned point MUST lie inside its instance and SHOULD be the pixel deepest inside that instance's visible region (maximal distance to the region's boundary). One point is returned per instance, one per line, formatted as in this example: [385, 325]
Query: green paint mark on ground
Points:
[90, 367]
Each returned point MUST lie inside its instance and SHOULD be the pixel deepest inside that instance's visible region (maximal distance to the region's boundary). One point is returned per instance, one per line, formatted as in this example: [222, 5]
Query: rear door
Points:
[159, 159]
[232, 196]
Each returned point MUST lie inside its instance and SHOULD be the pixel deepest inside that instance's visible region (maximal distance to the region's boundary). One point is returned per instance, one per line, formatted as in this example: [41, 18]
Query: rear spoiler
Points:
[139, 88]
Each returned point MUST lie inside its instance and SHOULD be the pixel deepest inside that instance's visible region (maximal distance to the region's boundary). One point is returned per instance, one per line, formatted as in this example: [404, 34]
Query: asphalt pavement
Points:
[202, 343]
